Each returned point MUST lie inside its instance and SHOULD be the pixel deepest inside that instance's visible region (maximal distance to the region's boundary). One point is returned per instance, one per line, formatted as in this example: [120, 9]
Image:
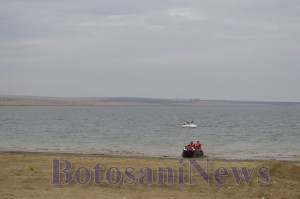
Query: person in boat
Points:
[192, 122]
[191, 145]
[198, 146]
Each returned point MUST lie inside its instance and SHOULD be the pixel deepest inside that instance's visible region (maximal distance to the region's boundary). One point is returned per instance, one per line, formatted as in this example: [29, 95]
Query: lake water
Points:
[225, 132]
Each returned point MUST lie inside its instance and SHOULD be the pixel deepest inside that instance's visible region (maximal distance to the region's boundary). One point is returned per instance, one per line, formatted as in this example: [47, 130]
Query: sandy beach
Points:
[31, 175]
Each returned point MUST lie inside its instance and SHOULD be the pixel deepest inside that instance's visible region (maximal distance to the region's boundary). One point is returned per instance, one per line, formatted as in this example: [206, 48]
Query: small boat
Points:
[191, 153]
[187, 124]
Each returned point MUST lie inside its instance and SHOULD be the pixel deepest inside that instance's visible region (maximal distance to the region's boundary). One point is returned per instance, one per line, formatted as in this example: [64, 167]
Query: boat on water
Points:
[188, 152]
[193, 150]
[187, 124]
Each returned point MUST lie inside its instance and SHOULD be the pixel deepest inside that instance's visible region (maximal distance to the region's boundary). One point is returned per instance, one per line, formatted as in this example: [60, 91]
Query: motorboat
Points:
[187, 124]
[188, 152]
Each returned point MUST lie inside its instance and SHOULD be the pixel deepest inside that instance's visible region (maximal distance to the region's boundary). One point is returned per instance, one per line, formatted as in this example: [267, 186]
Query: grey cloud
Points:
[210, 49]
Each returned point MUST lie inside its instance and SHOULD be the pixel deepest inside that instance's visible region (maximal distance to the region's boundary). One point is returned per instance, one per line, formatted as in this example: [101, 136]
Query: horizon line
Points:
[152, 98]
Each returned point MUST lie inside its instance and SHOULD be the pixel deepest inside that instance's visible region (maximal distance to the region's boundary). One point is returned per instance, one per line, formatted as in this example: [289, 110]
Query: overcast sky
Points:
[218, 49]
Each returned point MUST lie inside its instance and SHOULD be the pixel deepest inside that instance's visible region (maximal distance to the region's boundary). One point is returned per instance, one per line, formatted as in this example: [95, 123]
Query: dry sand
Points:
[29, 175]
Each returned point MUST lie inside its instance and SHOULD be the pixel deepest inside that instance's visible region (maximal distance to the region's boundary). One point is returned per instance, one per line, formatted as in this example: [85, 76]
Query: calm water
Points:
[231, 133]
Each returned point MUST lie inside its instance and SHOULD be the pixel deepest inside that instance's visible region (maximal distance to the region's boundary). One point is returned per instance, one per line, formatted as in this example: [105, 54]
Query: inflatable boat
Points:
[191, 153]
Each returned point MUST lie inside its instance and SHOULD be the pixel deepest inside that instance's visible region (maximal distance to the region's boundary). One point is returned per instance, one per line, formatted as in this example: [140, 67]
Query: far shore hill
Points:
[18, 100]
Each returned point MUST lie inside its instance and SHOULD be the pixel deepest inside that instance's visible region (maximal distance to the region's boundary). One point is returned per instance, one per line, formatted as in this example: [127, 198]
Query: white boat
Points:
[189, 124]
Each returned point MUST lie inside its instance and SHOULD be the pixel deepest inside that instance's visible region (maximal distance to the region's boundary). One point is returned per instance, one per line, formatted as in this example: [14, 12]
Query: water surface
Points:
[225, 132]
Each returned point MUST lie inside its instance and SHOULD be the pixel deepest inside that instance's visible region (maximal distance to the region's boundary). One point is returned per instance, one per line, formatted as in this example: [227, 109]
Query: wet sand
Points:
[30, 175]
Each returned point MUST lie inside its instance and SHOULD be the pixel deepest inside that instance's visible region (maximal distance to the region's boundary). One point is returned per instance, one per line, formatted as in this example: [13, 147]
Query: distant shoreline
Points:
[10, 100]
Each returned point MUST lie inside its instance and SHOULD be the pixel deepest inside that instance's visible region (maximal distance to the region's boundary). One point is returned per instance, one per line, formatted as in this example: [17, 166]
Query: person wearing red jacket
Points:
[198, 145]
[191, 145]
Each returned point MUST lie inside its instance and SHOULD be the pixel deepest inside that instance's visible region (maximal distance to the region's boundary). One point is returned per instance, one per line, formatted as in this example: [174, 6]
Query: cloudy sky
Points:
[219, 49]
